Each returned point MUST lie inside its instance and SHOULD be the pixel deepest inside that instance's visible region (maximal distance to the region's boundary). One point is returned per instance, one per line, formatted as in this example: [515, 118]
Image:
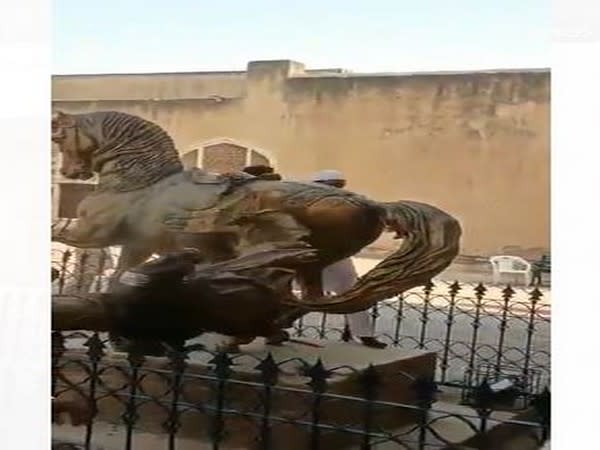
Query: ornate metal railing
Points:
[243, 401]
[474, 329]
[470, 327]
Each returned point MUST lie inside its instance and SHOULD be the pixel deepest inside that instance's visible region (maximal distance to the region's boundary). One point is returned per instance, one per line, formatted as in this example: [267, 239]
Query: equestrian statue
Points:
[147, 203]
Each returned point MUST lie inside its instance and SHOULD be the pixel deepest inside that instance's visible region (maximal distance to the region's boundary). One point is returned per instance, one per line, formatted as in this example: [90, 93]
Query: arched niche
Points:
[224, 155]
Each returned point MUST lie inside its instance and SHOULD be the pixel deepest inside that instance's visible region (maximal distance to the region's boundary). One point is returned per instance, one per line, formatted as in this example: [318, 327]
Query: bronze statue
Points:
[179, 296]
[147, 203]
[262, 171]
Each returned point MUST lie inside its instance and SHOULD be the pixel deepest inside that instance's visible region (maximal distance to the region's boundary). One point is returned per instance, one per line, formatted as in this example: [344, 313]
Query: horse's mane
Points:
[142, 152]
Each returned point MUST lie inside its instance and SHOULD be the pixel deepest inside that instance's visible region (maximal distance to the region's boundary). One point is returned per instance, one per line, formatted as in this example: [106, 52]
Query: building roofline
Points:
[432, 73]
[312, 73]
[137, 74]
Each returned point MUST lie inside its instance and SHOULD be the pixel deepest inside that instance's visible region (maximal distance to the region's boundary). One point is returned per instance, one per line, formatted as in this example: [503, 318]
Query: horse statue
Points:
[147, 203]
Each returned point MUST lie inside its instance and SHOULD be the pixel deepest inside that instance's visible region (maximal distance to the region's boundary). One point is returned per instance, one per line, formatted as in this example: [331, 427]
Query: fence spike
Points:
[95, 347]
[177, 358]
[535, 294]
[318, 376]
[428, 287]
[480, 290]
[269, 370]
[222, 363]
[454, 288]
[136, 359]
[508, 292]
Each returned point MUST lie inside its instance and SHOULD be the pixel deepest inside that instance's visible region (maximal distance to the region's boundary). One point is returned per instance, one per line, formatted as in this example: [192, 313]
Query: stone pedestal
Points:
[243, 395]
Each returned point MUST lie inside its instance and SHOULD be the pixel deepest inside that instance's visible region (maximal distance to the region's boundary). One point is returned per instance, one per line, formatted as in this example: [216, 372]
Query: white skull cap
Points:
[329, 175]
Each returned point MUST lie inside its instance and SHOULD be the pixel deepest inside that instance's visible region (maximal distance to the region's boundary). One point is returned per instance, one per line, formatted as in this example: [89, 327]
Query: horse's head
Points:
[75, 146]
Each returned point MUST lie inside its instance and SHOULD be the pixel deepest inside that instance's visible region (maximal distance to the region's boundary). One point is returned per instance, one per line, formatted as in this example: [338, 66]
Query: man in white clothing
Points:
[341, 276]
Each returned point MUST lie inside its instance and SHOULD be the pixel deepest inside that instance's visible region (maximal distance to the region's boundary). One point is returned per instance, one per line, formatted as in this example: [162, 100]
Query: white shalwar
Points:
[337, 279]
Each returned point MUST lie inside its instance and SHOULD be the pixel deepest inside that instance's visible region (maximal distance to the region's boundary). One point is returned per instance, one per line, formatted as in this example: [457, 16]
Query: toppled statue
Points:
[178, 296]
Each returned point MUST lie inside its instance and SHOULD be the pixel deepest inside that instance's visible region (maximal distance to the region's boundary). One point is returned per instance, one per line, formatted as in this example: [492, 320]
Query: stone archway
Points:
[224, 155]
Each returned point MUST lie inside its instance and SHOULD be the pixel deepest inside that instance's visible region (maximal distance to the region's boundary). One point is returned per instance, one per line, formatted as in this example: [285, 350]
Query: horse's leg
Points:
[99, 233]
[82, 233]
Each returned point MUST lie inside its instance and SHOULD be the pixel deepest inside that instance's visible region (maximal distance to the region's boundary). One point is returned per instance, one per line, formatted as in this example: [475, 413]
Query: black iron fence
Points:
[476, 330]
[244, 401]
[471, 327]
[493, 343]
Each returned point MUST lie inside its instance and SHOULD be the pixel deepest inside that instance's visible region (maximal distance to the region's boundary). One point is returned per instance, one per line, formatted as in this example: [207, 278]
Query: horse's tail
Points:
[430, 243]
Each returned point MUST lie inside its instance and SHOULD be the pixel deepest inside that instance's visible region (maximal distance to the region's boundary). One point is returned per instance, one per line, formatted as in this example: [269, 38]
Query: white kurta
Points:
[337, 279]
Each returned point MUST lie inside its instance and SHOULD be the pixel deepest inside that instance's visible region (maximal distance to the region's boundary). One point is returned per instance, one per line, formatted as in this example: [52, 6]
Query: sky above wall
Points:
[130, 36]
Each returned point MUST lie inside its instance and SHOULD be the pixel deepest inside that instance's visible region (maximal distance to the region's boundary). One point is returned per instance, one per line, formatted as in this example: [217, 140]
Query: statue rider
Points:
[340, 276]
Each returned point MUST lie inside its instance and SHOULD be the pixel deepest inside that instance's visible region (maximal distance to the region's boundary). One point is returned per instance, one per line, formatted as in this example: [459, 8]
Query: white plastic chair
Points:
[510, 264]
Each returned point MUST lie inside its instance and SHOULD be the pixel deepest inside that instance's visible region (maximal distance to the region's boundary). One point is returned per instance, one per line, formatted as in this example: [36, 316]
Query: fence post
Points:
[425, 389]
[82, 270]
[453, 290]
[58, 349]
[542, 405]
[318, 382]
[95, 353]
[100, 271]
[482, 403]
[480, 291]
[63, 270]
[399, 317]
[534, 298]
[425, 313]
[130, 416]
[177, 364]
[222, 369]
[507, 295]
[269, 372]
[322, 326]
[370, 381]
[374, 316]
[346, 334]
